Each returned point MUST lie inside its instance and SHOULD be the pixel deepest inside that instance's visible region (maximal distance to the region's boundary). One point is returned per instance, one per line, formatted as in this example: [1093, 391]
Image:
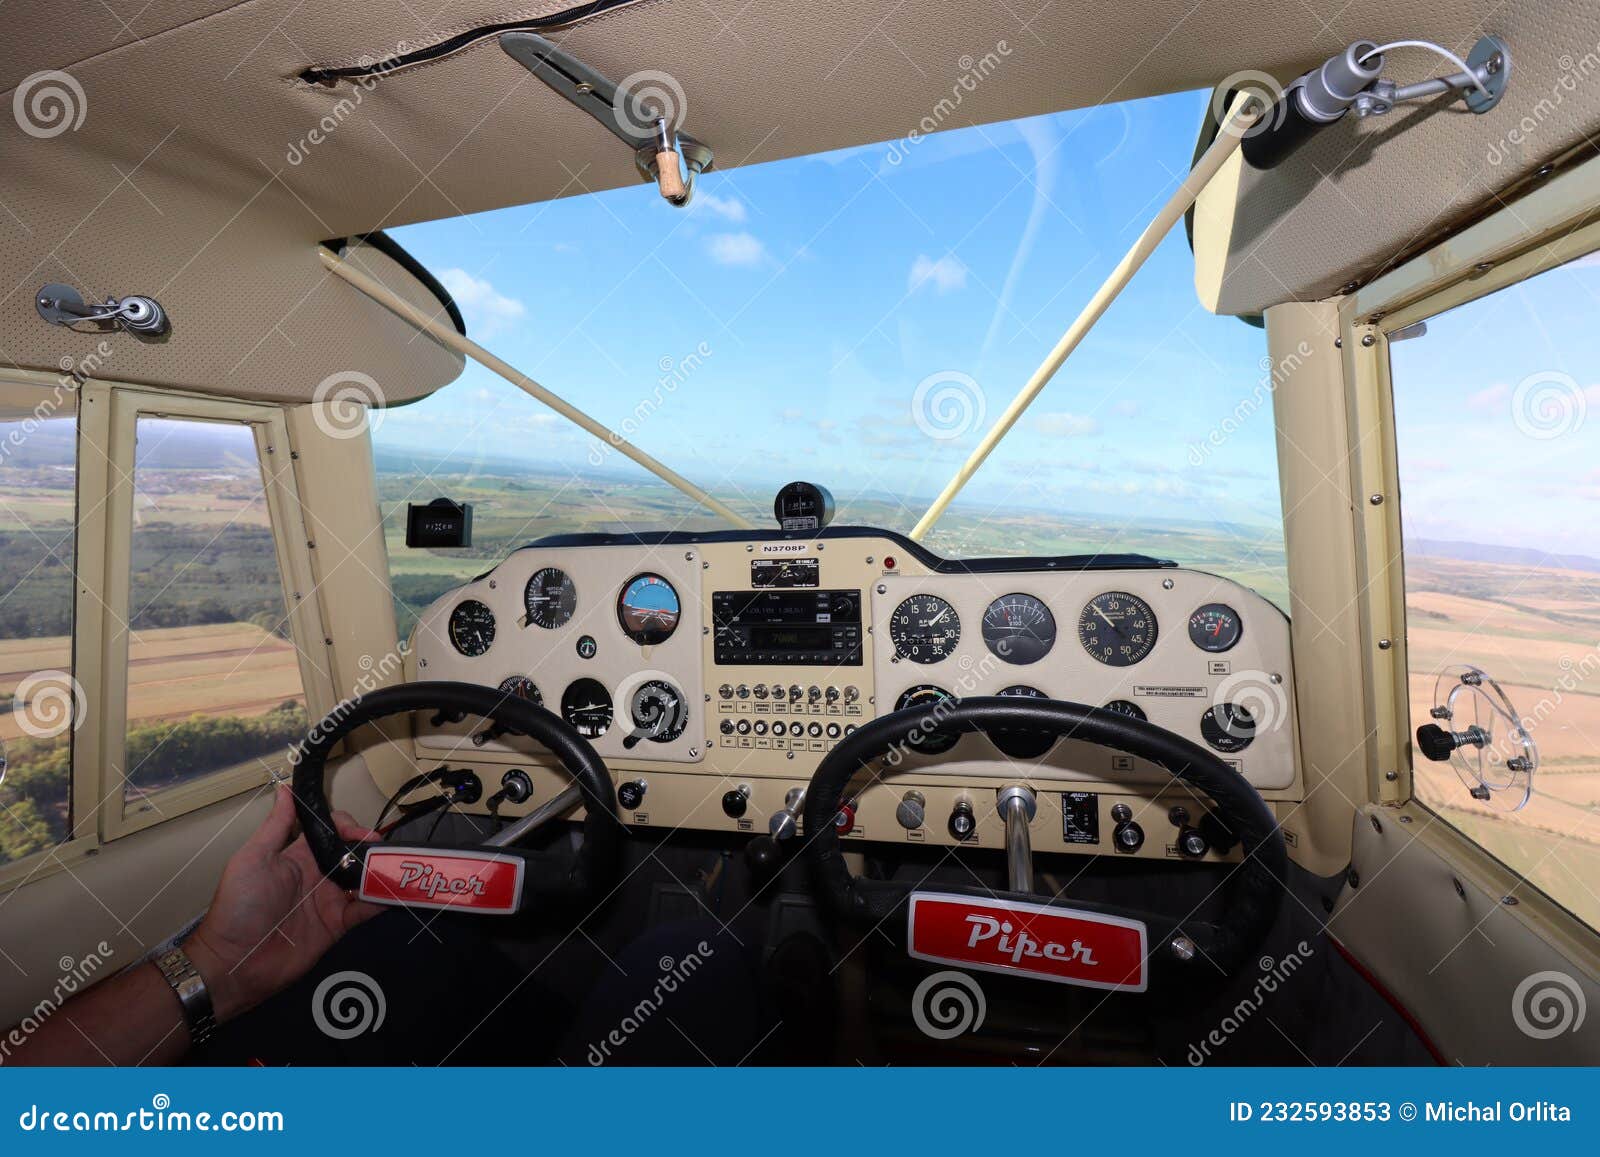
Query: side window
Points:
[42, 701]
[1497, 413]
[213, 677]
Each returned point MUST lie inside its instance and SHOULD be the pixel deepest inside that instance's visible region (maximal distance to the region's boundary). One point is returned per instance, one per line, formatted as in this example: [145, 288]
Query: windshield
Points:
[858, 319]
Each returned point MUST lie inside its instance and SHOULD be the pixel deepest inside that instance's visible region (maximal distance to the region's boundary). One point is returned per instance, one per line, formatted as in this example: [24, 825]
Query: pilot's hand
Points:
[274, 913]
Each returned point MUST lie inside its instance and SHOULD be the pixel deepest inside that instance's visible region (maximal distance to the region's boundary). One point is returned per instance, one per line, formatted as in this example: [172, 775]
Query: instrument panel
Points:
[713, 673]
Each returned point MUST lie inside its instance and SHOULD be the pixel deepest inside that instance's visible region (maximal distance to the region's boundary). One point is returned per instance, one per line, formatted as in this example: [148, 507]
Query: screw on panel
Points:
[1338, 343]
[1167, 584]
[1509, 901]
[1367, 339]
[1376, 500]
[1182, 947]
[1384, 644]
[1274, 678]
[1391, 776]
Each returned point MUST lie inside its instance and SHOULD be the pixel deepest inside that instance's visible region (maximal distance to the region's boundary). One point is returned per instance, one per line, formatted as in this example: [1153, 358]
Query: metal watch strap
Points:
[192, 993]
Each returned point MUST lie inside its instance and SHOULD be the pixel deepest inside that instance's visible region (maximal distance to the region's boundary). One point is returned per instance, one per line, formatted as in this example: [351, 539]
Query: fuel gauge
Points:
[1215, 627]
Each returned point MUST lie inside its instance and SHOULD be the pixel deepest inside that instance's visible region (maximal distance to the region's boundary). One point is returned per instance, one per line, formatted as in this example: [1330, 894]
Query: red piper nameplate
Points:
[487, 883]
[1062, 945]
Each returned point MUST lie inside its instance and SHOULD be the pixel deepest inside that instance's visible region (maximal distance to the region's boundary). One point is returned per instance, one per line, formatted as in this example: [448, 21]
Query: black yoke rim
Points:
[547, 878]
[1252, 893]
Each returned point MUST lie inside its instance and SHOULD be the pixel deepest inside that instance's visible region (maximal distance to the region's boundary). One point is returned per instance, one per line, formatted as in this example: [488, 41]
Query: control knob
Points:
[911, 811]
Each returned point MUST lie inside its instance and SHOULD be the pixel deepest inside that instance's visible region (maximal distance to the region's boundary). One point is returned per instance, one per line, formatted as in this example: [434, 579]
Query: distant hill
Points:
[1506, 555]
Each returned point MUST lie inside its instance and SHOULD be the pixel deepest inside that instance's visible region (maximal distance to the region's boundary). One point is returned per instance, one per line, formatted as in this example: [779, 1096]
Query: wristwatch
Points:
[192, 993]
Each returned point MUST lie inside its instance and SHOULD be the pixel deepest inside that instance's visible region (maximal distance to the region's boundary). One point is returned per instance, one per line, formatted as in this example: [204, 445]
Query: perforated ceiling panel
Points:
[204, 171]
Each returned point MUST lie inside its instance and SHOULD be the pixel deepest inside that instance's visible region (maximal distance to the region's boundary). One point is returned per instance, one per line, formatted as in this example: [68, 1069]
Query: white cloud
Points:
[1065, 425]
[729, 208]
[737, 249]
[488, 311]
[946, 274]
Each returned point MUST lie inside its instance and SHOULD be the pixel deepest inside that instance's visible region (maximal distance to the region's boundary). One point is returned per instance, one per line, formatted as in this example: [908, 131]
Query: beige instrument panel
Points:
[761, 728]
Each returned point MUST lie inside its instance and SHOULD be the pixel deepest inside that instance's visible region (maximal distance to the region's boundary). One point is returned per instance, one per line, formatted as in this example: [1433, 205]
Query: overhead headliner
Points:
[179, 181]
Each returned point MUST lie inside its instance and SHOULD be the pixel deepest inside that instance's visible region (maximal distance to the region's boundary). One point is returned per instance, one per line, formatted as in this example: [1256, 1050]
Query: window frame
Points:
[1549, 227]
[115, 816]
[82, 782]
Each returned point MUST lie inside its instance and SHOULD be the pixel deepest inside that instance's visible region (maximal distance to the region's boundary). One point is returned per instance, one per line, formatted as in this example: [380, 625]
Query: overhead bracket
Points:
[644, 112]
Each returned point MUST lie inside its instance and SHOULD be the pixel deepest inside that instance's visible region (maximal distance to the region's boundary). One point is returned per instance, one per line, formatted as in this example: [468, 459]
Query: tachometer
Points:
[1020, 742]
[648, 609]
[1215, 627]
[586, 704]
[471, 627]
[523, 688]
[1126, 707]
[1117, 628]
[926, 741]
[1019, 629]
[550, 598]
[925, 629]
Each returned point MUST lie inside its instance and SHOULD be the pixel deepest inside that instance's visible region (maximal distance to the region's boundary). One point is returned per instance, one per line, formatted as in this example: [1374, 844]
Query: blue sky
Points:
[811, 298]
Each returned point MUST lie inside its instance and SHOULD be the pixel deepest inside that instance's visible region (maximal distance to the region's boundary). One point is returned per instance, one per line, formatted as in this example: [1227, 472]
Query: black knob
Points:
[1217, 834]
[726, 727]
[515, 785]
[1192, 843]
[763, 854]
[631, 794]
[1436, 743]
[1128, 837]
[962, 822]
[734, 803]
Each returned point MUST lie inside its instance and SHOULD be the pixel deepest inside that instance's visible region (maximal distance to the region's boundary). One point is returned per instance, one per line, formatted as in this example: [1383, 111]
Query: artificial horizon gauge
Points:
[1117, 628]
[926, 741]
[1020, 743]
[549, 598]
[471, 628]
[586, 705]
[1019, 629]
[659, 712]
[1215, 627]
[648, 609]
[925, 629]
